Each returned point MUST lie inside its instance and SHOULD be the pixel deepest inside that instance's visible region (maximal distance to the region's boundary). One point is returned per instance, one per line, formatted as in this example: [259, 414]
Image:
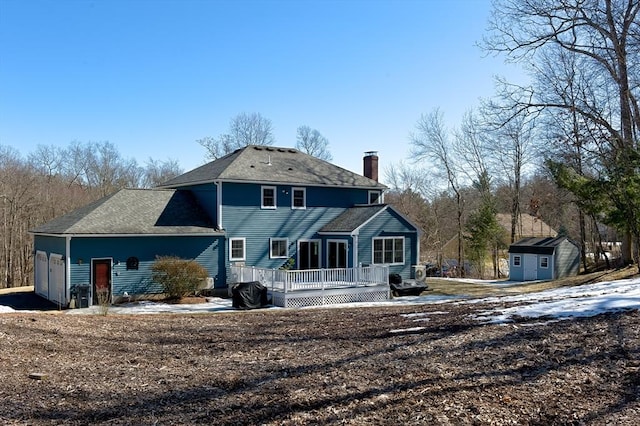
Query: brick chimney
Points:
[371, 165]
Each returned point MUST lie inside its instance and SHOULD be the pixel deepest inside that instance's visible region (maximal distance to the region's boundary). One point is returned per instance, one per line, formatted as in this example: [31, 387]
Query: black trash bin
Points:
[84, 295]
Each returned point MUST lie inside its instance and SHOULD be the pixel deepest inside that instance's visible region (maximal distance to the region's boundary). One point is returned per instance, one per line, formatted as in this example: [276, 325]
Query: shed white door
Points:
[41, 286]
[56, 279]
[530, 271]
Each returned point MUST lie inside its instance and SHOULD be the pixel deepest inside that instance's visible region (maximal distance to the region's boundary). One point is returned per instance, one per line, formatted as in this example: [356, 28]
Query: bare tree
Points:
[244, 129]
[313, 143]
[410, 192]
[604, 36]
[513, 142]
[431, 142]
[157, 172]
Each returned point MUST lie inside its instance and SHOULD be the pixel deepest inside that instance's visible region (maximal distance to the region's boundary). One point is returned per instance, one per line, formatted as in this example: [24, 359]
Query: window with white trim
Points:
[268, 197]
[298, 198]
[517, 260]
[544, 262]
[237, 249]
[388, 250]
[279, 248]
[375, 197]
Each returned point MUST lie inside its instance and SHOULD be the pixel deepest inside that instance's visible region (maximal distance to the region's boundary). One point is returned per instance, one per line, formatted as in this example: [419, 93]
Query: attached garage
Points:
[42, 274]
[532, 259]
[106, 249]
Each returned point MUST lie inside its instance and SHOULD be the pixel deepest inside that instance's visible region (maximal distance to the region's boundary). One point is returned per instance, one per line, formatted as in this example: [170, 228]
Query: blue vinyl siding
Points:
[207, 196]
[258, 226]
[389, 224]
[203, 249]
[545, 273]
[50, 244]
[516, 273]
[567, 260]
[243, 218]
[250, 195]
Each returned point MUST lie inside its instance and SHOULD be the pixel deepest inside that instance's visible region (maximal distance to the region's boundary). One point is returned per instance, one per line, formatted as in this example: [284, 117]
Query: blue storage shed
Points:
[547, 258]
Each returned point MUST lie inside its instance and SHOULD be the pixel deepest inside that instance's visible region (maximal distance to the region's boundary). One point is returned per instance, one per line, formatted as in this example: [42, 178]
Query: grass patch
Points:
[453, 287]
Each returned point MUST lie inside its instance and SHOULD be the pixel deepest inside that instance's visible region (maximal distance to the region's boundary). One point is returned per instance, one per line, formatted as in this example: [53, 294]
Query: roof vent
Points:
[270, 148]
[282, 150]
[257, 148]
[293, 151]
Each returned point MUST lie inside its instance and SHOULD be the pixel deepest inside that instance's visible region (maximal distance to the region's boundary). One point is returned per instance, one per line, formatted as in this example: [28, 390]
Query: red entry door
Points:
[101, 280]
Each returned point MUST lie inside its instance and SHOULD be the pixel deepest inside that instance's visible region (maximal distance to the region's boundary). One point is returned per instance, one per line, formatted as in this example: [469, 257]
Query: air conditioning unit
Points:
[206, 284]
[420, 272]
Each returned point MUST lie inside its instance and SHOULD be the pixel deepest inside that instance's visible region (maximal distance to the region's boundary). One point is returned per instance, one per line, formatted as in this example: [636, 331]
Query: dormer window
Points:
[268, 197]
[375, 197]
[298, 198]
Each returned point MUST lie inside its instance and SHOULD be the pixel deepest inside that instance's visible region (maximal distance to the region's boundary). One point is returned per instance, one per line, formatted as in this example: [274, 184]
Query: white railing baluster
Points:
[313, 279]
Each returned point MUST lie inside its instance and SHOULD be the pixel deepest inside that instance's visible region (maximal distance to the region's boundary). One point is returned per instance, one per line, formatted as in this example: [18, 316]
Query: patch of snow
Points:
[553, 304]
[406, 330]
[568, 302]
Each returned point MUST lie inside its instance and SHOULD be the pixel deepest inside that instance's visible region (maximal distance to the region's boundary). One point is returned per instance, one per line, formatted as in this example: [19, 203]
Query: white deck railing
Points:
[311, 279]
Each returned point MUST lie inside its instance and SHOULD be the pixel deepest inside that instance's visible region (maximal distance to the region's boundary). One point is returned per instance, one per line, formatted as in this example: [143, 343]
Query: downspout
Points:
[356, 267]
[67, 269]
[219, 203]
[355, 250]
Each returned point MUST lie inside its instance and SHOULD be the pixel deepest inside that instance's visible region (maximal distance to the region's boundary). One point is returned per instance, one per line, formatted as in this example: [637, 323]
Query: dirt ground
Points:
[353, 366]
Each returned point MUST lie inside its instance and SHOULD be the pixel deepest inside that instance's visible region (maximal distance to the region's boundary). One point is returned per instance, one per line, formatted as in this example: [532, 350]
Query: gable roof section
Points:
[352, 219]
[537, 245]
[268, 164]
[135, 212]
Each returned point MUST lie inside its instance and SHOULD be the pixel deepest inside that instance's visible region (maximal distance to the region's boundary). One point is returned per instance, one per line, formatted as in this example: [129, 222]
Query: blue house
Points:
[261, 206]
[543, 259]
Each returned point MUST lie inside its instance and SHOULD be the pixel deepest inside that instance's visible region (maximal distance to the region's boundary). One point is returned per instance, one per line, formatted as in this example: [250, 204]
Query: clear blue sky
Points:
[153, 76]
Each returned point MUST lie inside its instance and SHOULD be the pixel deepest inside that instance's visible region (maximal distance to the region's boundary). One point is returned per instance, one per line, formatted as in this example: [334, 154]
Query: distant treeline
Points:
[52, 181]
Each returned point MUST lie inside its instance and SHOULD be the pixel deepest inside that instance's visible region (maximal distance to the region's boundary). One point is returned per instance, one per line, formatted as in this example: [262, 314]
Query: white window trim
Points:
[544, 257]
[275, 197]
[286, 255]
[373, 250]
[379, 193]
[244, 249]
[517, 265]
[304, 198]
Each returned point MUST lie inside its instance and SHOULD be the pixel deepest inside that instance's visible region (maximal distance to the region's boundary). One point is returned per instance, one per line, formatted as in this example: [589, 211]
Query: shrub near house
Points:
[178, 277]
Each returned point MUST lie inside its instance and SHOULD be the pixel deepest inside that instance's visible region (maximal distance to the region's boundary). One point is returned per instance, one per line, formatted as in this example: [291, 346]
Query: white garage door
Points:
[56, 279]
[41, 286]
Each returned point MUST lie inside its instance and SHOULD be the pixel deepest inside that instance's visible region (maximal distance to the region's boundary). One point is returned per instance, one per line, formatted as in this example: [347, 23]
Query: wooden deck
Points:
[316, 287]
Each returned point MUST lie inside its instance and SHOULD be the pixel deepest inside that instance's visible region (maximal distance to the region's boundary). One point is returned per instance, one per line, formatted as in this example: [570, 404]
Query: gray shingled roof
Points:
[352, 218]
[135, 211]
[255, 163]
[536, 245]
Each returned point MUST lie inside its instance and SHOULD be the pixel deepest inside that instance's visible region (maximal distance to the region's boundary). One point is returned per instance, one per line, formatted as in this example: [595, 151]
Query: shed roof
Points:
[352, 218]
[536, 245]
[355, 217]
[135, 211]
[256, 163]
